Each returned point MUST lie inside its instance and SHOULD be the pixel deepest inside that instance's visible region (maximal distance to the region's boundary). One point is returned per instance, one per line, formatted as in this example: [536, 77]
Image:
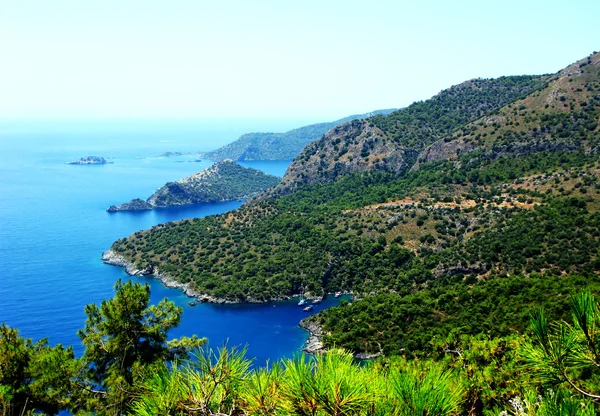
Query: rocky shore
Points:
[114, 259]
[314, 343]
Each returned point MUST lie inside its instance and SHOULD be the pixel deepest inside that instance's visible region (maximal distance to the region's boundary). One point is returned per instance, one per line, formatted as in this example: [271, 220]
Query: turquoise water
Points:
[54, 227]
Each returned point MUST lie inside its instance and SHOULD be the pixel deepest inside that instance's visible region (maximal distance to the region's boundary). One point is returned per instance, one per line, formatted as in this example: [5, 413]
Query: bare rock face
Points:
[443, 151]
[314, 344]
[354, 147]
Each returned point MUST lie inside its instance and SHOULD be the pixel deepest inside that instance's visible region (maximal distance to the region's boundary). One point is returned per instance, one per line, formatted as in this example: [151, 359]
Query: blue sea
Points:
[54, 226]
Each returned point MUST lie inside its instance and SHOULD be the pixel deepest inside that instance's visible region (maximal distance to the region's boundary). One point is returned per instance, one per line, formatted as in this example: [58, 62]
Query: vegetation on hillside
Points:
[376, 233]
[494, 213]
[392, 143]
[129, 368]
[223, 181]
[280, 146]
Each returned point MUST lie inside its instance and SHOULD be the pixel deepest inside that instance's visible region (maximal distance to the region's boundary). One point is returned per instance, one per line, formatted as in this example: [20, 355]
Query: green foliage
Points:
[209, 383]
[262, 394]
[34, 376]
[565, 238]
[223, 181]
[552, 403]
[425, 122]
[408, 324]
[125, 339]
[425, 390]
[569, 353]
[329, 384]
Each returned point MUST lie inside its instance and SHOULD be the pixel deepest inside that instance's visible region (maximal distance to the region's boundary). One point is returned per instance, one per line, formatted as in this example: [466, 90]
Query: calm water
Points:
[54, 227]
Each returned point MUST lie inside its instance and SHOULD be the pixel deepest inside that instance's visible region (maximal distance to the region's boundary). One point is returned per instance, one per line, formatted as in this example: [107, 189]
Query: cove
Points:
[55, 228]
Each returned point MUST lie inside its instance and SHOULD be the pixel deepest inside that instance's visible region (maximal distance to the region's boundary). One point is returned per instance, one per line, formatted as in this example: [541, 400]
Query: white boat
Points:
[308, 308]
[302, 302]
[316, 301]
[338, 294]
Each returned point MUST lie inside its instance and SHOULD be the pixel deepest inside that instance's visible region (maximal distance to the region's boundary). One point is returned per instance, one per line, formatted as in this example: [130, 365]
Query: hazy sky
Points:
[257, 58]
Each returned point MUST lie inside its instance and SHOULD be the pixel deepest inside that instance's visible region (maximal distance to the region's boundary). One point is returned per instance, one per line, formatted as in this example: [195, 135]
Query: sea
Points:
[54, 226]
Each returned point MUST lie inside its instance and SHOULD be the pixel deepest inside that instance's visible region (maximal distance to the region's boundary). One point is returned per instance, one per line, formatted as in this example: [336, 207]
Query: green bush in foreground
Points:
[130, 368]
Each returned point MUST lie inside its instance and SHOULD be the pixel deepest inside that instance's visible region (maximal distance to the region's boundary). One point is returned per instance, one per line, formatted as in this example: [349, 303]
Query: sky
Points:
[321, 60]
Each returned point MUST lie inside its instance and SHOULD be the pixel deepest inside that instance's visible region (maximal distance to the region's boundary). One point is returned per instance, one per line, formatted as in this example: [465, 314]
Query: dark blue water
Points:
[54, 228]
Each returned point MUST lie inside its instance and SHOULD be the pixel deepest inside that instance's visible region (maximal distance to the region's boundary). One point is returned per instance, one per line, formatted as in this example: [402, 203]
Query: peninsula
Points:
[223, 181]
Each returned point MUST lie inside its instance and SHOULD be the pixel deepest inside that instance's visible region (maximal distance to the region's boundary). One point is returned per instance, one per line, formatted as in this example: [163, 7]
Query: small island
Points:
[223, 181]
[89, 160]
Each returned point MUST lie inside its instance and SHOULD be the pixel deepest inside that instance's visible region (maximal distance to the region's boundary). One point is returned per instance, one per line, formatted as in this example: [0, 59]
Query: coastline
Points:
[110, 257]
[114, 259]
[314, 343]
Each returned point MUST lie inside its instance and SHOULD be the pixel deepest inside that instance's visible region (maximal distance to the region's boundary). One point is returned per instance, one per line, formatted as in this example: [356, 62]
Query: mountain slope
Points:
[518, 205]
[223, 181]
[392, 143]
[560, 117]
[279, 146]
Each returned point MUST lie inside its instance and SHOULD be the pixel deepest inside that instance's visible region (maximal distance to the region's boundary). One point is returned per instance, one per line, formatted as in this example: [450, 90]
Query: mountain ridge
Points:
[279, 146]
[392, 143]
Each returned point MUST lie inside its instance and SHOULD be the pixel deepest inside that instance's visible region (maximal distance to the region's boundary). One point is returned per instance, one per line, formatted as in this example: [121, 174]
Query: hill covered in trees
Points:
[473, 265]
[223, 181]
[504, 188]
[280, 146]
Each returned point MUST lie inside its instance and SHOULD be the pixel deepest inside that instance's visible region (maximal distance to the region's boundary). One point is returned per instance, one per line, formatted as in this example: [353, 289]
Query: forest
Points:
[129, 367]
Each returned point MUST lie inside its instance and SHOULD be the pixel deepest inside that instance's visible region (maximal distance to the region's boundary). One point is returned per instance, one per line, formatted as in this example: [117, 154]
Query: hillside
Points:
[415, 241]
[279, 146]
[222, 181]
[392, 143]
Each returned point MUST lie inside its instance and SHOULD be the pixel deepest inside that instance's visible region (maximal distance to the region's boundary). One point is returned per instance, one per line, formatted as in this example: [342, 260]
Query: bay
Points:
[54, 226]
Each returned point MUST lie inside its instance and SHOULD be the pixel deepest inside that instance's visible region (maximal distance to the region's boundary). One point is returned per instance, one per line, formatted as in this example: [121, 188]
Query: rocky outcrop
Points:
[134, 205]
[354, 147]
[89, 160]
[314, 343]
